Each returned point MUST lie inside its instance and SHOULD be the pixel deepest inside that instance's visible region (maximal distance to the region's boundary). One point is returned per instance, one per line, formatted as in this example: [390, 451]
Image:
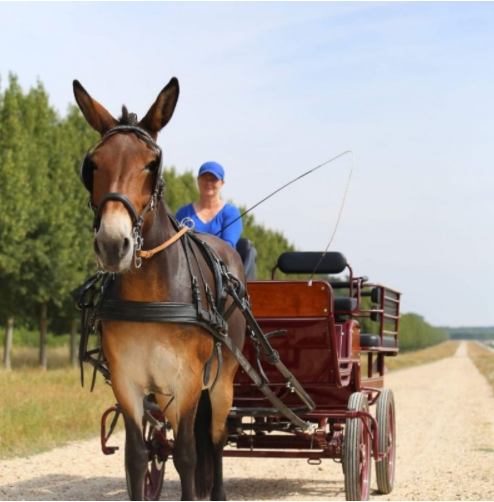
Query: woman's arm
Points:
[234, 231]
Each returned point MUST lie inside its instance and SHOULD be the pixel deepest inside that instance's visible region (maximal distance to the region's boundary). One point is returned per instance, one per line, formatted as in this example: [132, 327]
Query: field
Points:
[424, 356]
[483, 359]
[43, 409]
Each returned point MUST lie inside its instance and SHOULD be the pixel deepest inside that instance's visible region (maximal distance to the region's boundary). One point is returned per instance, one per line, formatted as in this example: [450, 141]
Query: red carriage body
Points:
[315, 327]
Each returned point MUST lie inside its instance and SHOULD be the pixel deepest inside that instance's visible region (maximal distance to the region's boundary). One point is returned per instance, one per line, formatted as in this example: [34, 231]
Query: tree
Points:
[15, 210]
[46, 243]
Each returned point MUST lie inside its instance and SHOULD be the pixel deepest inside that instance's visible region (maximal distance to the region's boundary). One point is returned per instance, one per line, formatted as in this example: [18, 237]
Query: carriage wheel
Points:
[357, 452]
[155, 473]
[385, 416]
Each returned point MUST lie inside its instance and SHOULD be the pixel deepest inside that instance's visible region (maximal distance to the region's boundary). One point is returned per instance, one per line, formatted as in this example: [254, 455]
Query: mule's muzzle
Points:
[114, 246]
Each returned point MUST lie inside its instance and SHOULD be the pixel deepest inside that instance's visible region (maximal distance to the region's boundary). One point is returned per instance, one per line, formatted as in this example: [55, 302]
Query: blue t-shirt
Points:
[227, 214]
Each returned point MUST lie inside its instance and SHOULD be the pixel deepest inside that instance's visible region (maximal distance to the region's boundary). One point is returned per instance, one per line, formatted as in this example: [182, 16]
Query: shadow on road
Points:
[64, 487]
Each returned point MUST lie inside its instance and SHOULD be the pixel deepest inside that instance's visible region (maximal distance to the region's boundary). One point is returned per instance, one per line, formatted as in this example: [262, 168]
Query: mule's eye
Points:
[87, 174]
[152, 166]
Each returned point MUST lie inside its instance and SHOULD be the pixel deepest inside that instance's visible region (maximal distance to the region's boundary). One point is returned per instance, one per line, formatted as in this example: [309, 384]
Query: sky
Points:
[271, 90]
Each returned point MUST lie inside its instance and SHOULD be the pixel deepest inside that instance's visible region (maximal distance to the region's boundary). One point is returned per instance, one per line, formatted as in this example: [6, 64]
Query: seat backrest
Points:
[243, 246]
[304, 262]
[248, 253]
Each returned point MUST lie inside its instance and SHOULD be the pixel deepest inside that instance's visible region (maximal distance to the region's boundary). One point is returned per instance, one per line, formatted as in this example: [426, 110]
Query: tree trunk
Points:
[73, 344]
[9, 334]
[43, 324]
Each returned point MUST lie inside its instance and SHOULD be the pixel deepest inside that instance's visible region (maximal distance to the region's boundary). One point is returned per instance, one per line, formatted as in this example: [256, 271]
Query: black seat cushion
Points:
[305, 262]
[345, 303]
[375, 341]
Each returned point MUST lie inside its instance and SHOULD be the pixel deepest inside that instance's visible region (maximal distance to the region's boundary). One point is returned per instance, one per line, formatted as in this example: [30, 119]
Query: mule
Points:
[164, 359]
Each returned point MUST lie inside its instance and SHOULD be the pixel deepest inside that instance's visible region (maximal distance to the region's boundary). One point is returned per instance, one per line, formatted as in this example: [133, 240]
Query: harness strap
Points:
[207, 369]
[123, 310]
[151, 252]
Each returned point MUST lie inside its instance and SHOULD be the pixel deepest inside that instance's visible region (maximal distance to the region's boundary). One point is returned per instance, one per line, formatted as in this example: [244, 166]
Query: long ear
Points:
[96, 115]
[162, 110]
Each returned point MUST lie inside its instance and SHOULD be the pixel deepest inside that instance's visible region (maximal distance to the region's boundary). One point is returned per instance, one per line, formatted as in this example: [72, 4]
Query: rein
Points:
[151, 252]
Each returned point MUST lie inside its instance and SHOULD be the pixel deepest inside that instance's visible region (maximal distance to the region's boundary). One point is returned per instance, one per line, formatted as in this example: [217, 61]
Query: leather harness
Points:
[96, 307]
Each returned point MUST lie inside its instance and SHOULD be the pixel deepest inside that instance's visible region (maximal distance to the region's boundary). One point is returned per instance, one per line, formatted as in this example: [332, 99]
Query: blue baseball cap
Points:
[213, 168]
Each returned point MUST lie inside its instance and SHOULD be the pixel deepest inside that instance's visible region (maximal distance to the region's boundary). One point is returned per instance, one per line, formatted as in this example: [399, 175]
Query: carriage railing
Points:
[385, 311]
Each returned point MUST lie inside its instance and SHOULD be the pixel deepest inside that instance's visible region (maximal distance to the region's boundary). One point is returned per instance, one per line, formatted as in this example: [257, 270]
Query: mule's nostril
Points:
[95, 246]
[126, 245]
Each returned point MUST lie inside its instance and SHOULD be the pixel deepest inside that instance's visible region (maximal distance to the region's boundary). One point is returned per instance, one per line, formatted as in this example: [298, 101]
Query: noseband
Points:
[156, 196]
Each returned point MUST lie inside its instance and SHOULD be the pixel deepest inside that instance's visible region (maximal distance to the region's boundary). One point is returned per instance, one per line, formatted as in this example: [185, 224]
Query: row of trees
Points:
[416, 333]
[45, 228]
[471, 333]
[44, 233]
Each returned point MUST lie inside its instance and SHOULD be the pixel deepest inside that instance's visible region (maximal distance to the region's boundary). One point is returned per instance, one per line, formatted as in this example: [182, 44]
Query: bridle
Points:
[86, 176]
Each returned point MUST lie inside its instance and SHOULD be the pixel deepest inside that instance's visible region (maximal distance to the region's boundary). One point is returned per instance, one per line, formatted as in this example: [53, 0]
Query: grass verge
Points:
[424, 356]
[40, 410]
[483, 358]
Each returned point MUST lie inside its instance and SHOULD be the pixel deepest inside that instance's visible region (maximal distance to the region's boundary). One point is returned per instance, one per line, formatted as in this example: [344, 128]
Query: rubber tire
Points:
[386, 421]
[155, 473]
[357, 448]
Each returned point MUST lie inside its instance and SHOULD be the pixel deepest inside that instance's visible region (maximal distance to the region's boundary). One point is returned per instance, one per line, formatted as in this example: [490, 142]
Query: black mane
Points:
[127, 118]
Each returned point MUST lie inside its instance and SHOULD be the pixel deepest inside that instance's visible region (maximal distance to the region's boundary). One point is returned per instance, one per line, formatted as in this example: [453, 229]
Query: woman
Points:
[210, 213]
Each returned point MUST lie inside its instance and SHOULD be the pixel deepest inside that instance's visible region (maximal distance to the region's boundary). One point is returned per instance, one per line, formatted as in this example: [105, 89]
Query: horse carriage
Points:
[318, 336]
[198, 357]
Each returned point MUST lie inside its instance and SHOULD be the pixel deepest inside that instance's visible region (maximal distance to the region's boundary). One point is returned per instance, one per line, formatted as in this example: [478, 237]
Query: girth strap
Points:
[158, 312]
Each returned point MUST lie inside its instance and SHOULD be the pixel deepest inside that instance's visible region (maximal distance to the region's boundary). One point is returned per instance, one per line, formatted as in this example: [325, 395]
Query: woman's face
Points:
[209, 185]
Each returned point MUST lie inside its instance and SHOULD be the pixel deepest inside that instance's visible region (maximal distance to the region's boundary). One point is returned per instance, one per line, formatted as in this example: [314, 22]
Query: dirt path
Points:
[445, 452]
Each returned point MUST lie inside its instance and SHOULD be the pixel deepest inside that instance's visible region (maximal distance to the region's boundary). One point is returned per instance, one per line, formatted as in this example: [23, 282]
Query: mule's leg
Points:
[184, 453]
[136, 455]
[221, 402]
[136, 459]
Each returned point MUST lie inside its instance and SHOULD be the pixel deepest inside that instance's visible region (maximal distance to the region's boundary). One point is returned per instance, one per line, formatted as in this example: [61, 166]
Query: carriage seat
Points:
[248, 253]
[345, 303]
[369, 341]
[305, 262]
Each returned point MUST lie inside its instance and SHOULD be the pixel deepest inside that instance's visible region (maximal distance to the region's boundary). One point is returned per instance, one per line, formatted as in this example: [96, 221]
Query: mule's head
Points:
[123, 173]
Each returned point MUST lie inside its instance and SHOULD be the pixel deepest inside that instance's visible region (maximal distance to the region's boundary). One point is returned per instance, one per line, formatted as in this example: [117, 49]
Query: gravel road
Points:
[445, 451]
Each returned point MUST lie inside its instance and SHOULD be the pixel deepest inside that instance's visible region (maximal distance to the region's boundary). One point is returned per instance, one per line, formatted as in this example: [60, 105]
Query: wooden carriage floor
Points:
[445, 426]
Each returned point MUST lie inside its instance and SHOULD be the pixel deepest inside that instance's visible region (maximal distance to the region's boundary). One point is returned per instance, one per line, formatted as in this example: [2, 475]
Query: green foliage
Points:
[25, 337]
[180, 189]
[417, 334]
[16, 190]
[45, 234]
[471, 333]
